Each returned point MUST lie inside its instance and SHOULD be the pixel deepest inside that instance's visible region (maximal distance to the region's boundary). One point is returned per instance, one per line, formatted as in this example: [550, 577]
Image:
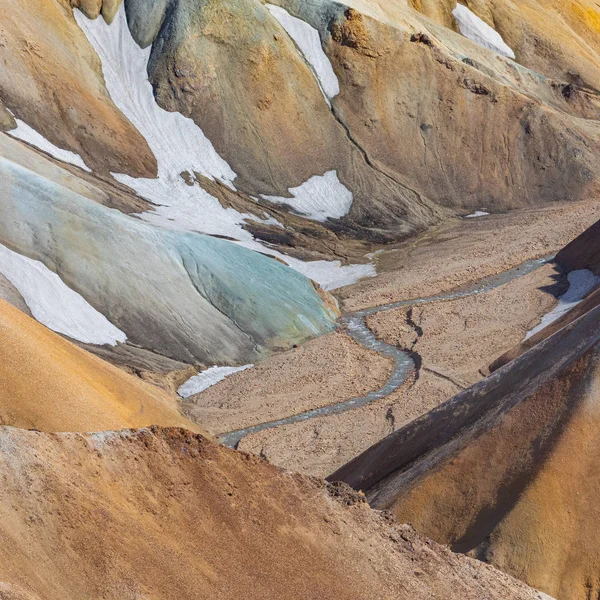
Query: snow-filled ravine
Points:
[307, 38]
[179, 145]
[54, 304]
[581, 283]
[205, 379]
[27, 134]
[478, 31]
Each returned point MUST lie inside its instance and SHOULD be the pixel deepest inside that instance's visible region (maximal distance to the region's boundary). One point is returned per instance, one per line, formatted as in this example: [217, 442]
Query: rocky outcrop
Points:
[92, 9]
[505, 470]
[7, 121]
[583, 252]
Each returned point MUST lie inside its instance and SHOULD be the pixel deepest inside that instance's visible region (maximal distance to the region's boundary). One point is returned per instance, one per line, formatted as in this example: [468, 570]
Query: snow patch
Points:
[308, 41]
[581, 283]
[179, 145]
[331, 275]
[478, 31]
[27, 134]
[319, 198]
[207, 378]
[477, 213]
[54, 304]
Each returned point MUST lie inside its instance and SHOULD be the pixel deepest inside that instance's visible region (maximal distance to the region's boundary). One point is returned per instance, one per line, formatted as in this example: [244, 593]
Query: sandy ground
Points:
[463, 251]
[455, 341]
[324, 371]
[320, 446]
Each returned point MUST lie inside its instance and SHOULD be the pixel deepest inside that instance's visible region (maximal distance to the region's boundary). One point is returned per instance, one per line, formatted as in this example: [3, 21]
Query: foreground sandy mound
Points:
[167, 514]
[47, 383]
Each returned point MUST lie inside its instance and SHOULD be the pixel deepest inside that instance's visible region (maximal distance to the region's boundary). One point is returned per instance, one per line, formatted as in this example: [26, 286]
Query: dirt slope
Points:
[49, 384]
[43, 54]
[165, 514]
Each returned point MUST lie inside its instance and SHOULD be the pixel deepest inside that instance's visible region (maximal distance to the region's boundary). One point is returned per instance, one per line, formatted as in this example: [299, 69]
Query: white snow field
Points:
[319, 198]
[180, 145]
[27, 134]
[307, 38]
[478, 31]
[205, 379]
[476, 214]
[54, 304]
[581, 283]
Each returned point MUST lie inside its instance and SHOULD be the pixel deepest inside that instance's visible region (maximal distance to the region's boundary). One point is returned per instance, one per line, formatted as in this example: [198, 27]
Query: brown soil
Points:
[51, 385]
[467, 250]
[164, 514]
[459, 338]
[319, 446]
[324, 371]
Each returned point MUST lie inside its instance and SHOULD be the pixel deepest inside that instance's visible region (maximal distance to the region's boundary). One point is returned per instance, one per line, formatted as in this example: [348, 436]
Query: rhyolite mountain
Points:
[183, 183]
[166, 513]
[307, 131]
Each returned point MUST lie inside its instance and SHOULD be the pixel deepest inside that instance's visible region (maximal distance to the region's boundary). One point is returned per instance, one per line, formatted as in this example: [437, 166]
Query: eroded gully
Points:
[354, 324]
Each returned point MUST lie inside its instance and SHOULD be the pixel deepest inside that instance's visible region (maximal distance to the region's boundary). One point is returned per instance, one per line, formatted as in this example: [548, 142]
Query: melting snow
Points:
[331, 275]
[478, 31]
[308, 41]
[207, 378]
[54, 304]
[581, 283]
[477, 213]
[319, 198]
[31, 136]
[177, 142]
[180, 145]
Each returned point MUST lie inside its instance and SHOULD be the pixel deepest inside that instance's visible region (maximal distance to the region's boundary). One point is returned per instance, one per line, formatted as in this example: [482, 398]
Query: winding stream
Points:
[354, 324]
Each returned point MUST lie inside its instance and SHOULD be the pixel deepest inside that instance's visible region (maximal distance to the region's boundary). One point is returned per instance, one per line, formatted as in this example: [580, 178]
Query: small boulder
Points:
[90, 8]
[109, 10]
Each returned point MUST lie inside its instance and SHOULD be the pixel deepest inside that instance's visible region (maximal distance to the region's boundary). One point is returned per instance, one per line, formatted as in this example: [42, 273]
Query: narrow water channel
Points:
[354, 324]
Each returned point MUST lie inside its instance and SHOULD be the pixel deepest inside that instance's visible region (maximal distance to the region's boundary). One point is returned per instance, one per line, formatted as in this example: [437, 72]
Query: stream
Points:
[354, 324]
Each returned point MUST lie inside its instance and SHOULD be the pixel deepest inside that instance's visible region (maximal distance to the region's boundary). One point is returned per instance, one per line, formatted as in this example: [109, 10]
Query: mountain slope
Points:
[51, 385]
[219, 301]
[162, 513]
